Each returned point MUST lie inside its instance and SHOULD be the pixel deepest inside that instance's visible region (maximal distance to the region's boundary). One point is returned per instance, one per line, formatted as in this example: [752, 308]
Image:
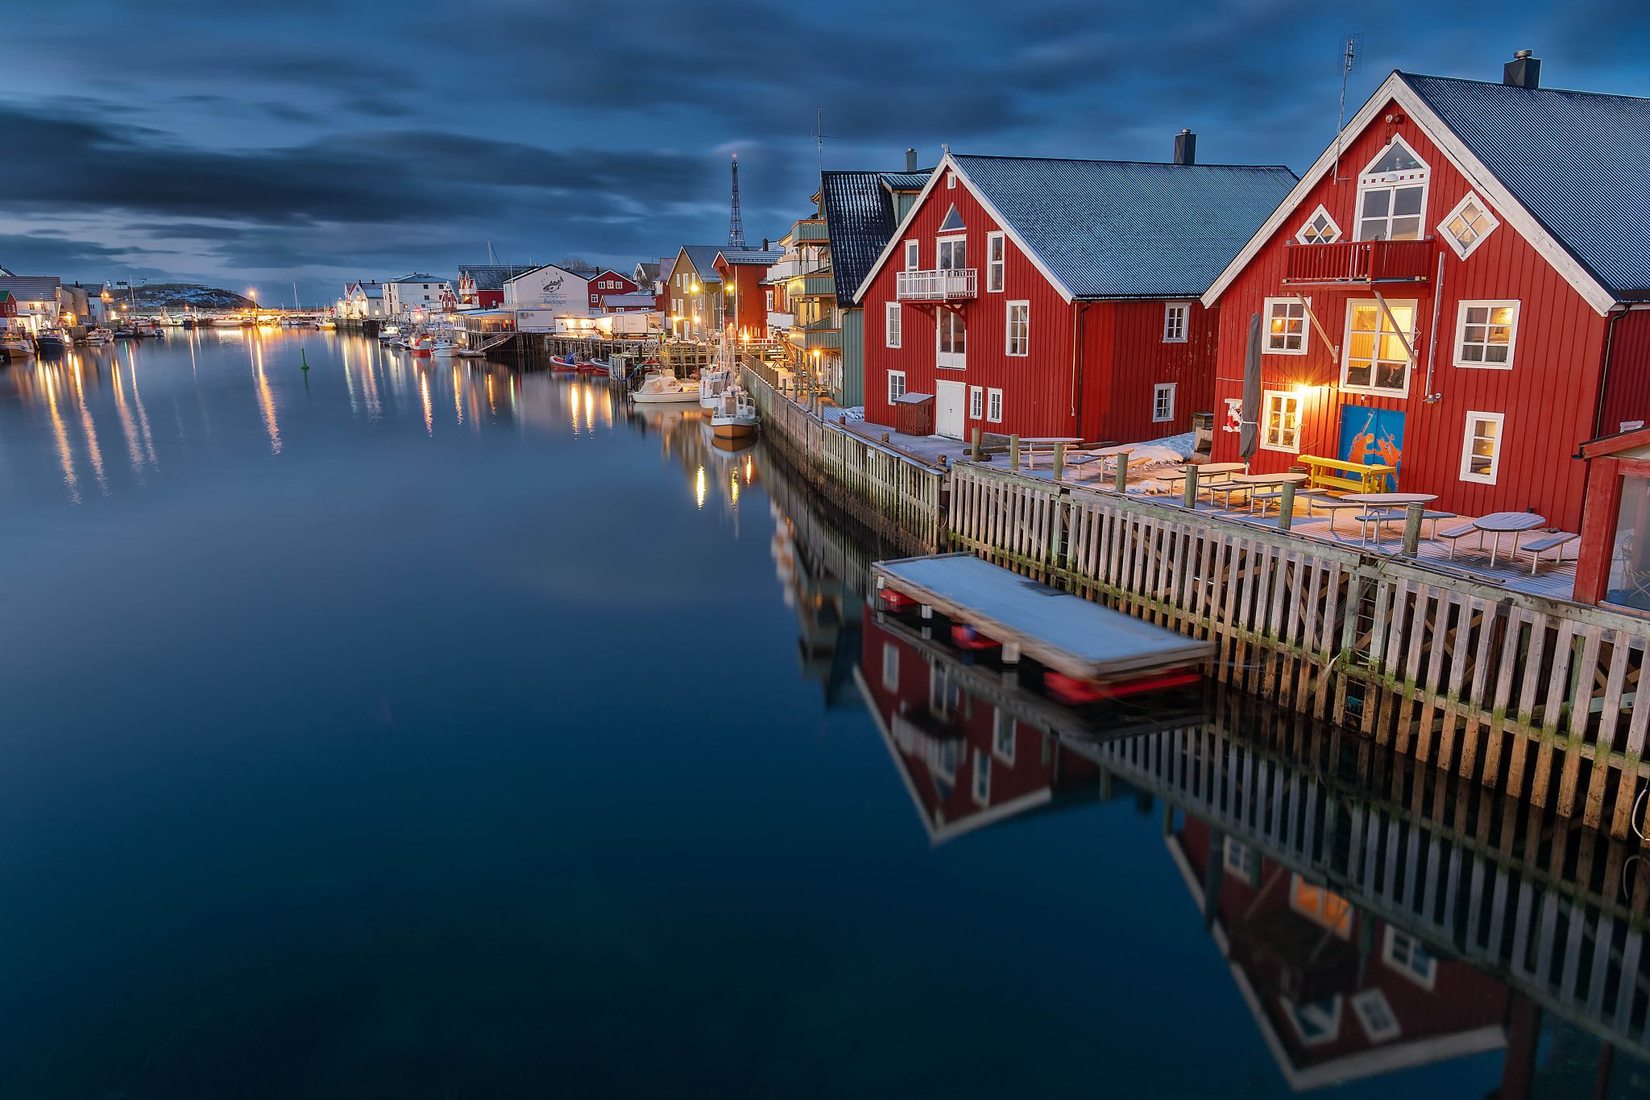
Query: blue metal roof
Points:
[763, 257]
[906, 181]
[703, 258]
[1579, 162]
[1121, 229]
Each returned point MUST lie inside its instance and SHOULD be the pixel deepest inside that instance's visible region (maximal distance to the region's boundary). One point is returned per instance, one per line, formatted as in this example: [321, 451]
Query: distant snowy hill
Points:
[180, 296]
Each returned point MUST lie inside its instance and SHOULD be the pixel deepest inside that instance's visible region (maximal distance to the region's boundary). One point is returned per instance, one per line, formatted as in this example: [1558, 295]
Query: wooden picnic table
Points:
[1257, 481]
[1374, 501]
[1503, 523]
[1030, 445]
[1338, 473]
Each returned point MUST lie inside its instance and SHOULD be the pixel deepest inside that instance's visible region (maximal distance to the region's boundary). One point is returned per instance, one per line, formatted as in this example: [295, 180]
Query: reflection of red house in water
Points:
[1337, 993]
[966, 761]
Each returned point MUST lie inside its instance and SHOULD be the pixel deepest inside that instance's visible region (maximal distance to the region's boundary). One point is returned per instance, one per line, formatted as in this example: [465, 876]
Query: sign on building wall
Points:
[550, 288]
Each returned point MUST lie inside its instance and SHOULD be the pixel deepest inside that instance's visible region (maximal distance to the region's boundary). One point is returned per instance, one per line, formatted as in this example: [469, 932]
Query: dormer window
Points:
[1392, 195]
[1320, 228]
[1467, 225]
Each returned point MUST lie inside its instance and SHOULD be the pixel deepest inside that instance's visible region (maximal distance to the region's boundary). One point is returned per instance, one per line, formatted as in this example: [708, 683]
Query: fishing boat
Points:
[469, 353]
[389, 332]
[444, 349]
[711, 385]
[99, 336]
[734, 416]
[16, 344]
[662, 387]
[50, 342]
[593, 368]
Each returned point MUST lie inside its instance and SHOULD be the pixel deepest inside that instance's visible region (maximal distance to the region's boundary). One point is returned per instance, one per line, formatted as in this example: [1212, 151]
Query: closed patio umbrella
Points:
[1249, 423]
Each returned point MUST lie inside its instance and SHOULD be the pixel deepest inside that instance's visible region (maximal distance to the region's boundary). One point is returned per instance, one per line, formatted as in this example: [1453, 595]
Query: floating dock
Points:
[1063, 632]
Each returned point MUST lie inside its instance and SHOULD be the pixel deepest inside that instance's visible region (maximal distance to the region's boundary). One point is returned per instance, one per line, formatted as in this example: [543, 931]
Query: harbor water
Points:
[403, 728]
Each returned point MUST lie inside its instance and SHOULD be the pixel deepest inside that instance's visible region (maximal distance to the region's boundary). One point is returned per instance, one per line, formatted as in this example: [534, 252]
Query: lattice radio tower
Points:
[736, 224]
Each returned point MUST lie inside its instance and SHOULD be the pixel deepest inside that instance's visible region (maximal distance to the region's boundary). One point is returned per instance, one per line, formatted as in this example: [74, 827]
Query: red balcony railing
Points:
[1358, 262]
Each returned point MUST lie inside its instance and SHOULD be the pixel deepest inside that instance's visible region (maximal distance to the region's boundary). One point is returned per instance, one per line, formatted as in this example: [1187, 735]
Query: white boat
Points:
[16, 345]
[389, 332]
[664, 388]
[734, 416]
[711, 385]
[469, 353]
[444, 349]
[99, 336]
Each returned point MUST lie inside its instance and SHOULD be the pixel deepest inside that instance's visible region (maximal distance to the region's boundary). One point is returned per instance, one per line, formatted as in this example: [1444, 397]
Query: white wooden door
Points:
[948, 408]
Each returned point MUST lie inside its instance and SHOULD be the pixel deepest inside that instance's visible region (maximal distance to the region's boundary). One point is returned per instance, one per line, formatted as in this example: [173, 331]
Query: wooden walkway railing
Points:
[889, 492]
[1526, 695]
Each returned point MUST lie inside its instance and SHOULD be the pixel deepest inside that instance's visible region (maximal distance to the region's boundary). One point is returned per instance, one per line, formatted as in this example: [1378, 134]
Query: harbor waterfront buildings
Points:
[1459, 287]
[418, 293]
[693, 293]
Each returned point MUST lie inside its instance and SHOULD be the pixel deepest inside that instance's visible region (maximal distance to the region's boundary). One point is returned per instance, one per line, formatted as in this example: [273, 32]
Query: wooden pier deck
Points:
[1064, 632]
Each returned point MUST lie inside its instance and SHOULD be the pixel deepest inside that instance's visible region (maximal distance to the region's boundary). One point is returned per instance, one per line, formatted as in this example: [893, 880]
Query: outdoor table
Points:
[1030, 445]
[1206, 472]
[1376, 500]
[1255, 481]
[1502, 523]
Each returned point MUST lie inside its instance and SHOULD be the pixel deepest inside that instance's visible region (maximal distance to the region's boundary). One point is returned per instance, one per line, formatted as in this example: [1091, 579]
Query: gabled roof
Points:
[647, 271]
[492, 276]
[1578, 161]
[703, 259]
[526, 271]
[417, 277]
[1105, 229]
[859, 221]
[1577, 191]
[757, 256]
[32, 288]
[905, 181]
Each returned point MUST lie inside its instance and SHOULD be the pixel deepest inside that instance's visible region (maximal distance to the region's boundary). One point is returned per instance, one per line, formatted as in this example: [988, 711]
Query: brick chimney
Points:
[1523, 71]
[1185, 147]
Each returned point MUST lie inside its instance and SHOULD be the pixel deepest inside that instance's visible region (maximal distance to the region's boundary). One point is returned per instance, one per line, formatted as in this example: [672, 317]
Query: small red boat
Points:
[590, 368]
[563, 366]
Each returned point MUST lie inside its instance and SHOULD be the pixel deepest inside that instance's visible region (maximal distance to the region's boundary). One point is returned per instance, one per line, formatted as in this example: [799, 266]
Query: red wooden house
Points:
[1457, 287]
[743, 271]
[1058, 297]
[608, 283]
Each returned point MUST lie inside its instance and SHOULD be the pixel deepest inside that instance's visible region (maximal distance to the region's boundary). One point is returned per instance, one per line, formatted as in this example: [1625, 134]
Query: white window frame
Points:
[1023, 308]
[1474, 418]
[1159, 391]
[982, 777]
[1461, 333]
[890, 666]
[1300, 234]
[1294, 435]
[1002, 736]
[1240, 861]
[996, 261]
[1332, 1024]
[1389, 956]
[1380, 326]
[769, 295]
[1177, 317]
[1368, 181]
[1267, 333]
[976, 402]
[950, 360]
[893, 327]
[950, 181]
[1364, 1006]
[892, 396]
[994, 406]
[1492, 223]
[951, 237]
[913, 255]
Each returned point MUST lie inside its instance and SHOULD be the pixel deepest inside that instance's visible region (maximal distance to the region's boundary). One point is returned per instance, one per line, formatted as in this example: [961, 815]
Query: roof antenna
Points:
[819, 134]
[1349, 63]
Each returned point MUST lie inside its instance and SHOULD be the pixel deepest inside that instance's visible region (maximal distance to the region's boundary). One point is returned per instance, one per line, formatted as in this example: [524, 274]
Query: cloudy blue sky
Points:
[315, 141]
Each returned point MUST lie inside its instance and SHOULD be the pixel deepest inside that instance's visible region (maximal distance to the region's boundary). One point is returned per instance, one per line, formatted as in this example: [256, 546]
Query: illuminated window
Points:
[1321, 906]
[1280, 423]
[1410, 957]
[1467, 225]
[1162, 402]
[1320, 228]
[1485, 333]
[1285, 327]
[1375, 358]
[1018, 341]
[994, 262]
[1481, 447]
[1175, 315]
[1392, 195]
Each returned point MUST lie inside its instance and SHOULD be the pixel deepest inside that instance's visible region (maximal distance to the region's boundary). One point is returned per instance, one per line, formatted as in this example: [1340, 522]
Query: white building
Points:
[418, 293]
[565, 293]
[37, 299]
[364, 301]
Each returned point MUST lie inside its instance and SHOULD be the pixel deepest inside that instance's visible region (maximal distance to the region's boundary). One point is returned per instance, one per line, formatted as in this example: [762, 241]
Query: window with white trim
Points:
[1485, 334]
[951, 341]
[976, 402]
[1175, 315]
[1315, 1023]
[1410, 957]
[890, 666]
[1320, 228]
[995, 251]
[1002, 735]
[1280, 421]
[1375, 1014]
[913, 255]
[1467, 225]
[982, 777]
[891, 327]
[1162, 402]
[1240, 861]
[768, 295]
[950, 180]
[1481, 447]
[896, 385]
[1285, 327]
[994, 406]
[1018, 330]
[1392, 195]
[951, 253]
[1374, 359]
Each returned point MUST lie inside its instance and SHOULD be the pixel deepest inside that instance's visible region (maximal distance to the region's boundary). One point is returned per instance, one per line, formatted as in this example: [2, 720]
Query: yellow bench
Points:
[1351, 477]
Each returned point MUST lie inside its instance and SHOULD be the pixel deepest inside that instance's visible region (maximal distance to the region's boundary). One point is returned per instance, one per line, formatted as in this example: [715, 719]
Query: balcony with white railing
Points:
[944, 285]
